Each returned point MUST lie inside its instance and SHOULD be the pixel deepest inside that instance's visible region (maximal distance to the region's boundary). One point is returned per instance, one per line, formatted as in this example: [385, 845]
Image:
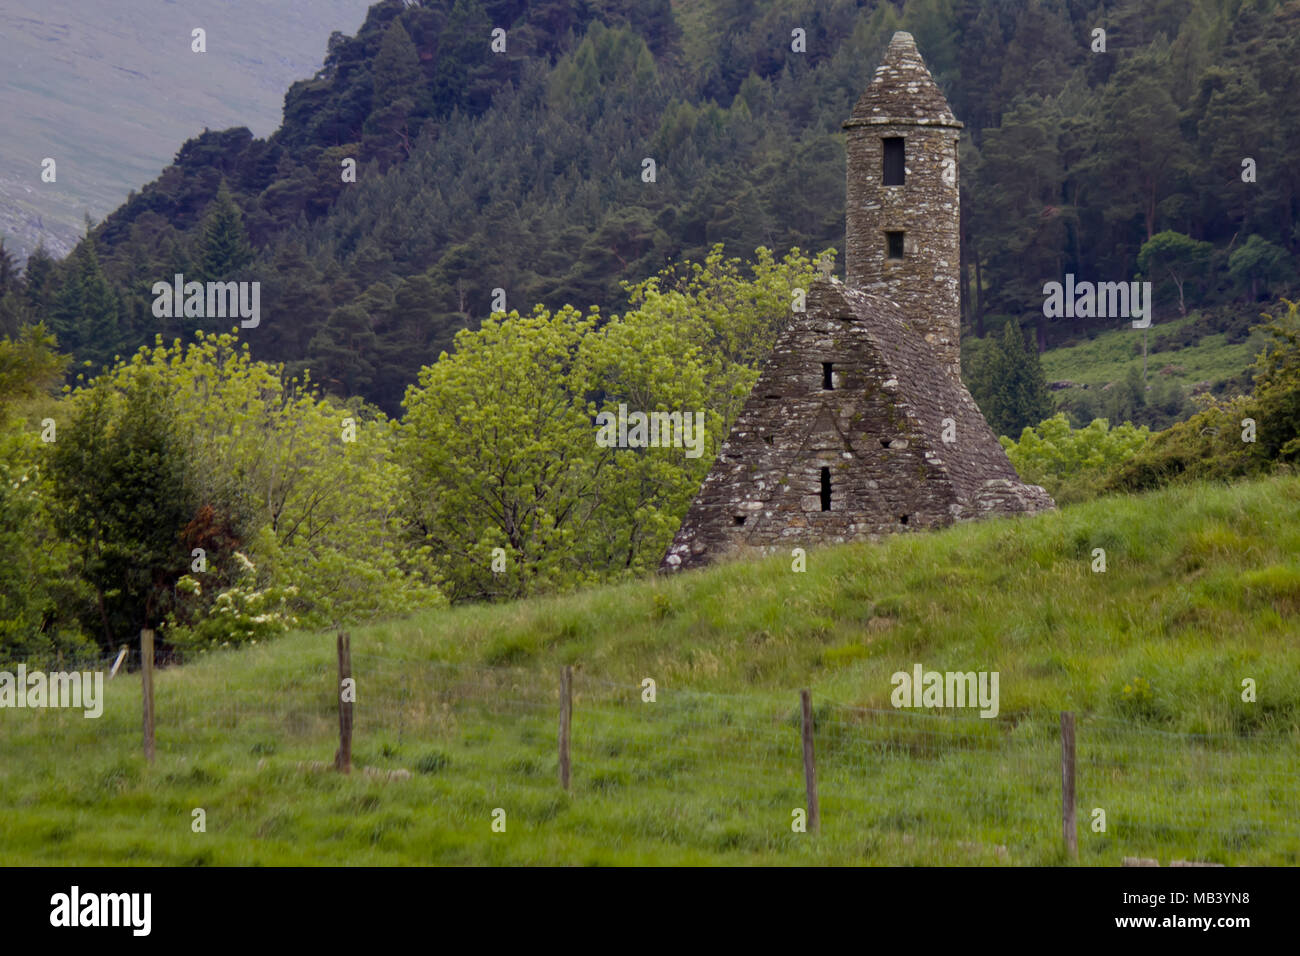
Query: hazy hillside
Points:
[111, 90]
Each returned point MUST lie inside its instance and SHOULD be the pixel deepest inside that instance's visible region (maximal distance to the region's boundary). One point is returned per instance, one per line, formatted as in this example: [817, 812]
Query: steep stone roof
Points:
[923, 389]
[873, 440]
[903, 91]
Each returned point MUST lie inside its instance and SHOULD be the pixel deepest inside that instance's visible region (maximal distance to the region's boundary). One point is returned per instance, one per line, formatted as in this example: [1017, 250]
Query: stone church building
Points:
[859, 424]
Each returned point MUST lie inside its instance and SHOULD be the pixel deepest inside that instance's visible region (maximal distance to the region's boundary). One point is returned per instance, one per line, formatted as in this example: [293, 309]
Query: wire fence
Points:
[909, 785]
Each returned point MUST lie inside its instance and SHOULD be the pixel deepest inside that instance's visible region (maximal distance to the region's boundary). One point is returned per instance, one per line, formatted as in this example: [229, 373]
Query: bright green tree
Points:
[305, 489]
[29, 365]
[1070, 462]
[500, 436]
[39, 597]
[501, 452]
[122, 498]
[1277, 389]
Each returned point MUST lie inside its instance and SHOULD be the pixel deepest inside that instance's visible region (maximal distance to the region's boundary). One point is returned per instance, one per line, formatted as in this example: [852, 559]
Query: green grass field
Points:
[1108, 357]
[1201, 590]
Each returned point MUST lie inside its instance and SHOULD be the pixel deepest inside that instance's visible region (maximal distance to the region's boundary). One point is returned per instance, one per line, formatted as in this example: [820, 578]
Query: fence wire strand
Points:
[911, 779]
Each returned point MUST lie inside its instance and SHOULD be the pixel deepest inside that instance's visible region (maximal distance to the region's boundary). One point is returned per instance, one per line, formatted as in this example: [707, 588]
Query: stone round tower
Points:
[903, 216]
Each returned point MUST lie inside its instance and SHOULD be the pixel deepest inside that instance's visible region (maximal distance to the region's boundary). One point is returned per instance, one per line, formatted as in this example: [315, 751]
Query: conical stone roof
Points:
[903, 92]
[877, 435]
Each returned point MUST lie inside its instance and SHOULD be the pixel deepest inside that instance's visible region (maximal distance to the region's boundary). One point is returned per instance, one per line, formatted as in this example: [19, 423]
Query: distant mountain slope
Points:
[109, 90]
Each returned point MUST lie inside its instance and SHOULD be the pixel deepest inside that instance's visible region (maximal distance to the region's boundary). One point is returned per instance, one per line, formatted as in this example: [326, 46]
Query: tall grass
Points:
[1201, 591]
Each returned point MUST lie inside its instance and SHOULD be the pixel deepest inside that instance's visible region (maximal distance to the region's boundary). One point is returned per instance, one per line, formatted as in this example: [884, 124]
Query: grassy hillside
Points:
[1108, 357]
[1201, 590]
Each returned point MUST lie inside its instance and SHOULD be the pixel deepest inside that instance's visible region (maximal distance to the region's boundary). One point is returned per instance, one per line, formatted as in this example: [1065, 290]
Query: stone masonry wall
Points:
[903, 101]
[926, 281]
[765, 488]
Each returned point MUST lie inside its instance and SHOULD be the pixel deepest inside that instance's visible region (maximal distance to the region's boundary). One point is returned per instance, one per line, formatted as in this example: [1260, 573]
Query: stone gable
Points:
[877, 431]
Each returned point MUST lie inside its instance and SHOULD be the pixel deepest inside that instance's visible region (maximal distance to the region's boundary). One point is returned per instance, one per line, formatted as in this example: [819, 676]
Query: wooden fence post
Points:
[146, 684]
[1068, 827]
[566, 715]
[343, 759]
[809, 764]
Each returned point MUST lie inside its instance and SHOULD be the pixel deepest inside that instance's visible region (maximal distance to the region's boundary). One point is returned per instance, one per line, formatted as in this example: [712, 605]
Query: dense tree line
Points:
[198, 491]
[219, 500]
[523, 170]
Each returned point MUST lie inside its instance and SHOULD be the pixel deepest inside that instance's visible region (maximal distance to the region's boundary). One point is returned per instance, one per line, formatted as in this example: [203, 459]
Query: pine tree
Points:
[121, 495]
[397, 66]
[462, 74]
[87, 309]
[39, 278]
[10, 280]
[225, 243]
[1020, 397]
[13, 304]
[399, 87]
[341, 355]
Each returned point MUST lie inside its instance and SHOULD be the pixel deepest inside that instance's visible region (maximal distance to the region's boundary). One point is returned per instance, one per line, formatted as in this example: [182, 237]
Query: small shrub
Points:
[1211, 444]
[242, 614]
[1137, 698]
[435, 761]
[1072, 463]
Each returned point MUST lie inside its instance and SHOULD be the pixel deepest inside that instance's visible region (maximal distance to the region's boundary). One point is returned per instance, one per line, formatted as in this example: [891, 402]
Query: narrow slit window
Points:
[894, 245]
[828, 382]
[826, 489]
[895, 161]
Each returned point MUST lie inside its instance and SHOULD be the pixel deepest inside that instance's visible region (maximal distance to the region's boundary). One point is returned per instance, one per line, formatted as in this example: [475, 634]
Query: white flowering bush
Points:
[242, 613]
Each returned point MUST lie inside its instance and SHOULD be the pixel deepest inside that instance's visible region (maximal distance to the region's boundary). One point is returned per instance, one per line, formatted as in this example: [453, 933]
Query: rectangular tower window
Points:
[826, 489]
[895, 165]
[827, 382]
[894, 245]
